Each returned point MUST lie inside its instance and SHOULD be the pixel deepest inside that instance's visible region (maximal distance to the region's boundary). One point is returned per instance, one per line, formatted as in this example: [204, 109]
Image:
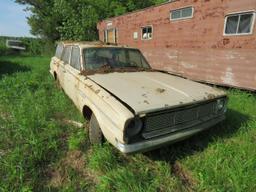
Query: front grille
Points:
[161, 123]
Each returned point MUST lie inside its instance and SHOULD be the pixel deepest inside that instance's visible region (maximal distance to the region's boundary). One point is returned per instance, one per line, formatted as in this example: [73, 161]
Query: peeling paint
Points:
[229, 76]
[187, 65]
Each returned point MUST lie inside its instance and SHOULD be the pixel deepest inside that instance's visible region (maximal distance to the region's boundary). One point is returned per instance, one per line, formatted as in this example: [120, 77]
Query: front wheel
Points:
[95, 133]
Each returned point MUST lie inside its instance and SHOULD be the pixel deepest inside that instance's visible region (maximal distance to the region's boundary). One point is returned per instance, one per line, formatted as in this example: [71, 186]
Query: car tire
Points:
[95, 133]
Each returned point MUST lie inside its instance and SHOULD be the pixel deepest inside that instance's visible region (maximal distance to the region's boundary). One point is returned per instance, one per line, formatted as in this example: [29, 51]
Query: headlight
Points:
[133, 127]
[221, 105]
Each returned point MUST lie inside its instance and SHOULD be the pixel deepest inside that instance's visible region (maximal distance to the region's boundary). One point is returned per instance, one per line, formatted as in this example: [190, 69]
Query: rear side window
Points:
[75, 58]
[59, 50]
[66, 54]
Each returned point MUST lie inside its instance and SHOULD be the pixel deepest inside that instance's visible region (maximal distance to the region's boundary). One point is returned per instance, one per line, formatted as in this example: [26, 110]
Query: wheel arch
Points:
[55, 75]
[87, 112]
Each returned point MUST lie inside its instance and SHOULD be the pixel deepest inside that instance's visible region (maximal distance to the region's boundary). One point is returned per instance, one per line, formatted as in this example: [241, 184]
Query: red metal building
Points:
[206, 40]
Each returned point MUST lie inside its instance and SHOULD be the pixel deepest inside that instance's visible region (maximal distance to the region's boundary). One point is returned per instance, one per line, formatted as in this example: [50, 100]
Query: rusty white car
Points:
[129, 104]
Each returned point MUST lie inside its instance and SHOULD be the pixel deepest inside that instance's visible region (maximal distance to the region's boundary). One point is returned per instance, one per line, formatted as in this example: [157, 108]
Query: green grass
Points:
[39, 151]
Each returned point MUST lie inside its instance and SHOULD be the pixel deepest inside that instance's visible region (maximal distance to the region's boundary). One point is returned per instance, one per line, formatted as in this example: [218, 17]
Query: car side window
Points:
[59, 51]
[66, 54]
[75, 58]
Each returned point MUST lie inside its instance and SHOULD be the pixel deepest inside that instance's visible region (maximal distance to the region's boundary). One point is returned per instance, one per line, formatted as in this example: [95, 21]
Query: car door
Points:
[73, 70]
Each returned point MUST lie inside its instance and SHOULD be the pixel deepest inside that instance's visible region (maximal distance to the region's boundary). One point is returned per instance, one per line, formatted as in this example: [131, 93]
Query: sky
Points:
[13, 20]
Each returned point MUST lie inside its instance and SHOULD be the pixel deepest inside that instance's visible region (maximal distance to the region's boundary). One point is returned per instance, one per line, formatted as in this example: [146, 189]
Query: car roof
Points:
[91, 44]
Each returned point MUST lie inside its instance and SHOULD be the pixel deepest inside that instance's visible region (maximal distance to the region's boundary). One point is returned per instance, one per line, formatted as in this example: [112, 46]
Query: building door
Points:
[111, 36]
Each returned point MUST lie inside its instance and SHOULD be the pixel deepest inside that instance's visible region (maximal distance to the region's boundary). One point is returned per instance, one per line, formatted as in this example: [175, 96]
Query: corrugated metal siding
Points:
[194, 48]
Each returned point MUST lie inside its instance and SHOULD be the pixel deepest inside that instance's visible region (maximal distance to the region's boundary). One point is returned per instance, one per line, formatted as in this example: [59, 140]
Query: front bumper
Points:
[148, 145]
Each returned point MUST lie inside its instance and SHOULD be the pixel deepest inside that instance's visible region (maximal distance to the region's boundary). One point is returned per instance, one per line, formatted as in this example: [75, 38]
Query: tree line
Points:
[77, 19]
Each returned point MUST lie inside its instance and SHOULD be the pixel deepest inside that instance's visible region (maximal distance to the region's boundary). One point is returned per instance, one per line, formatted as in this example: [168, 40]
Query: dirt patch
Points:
[58, 116]
[75, 160]
[59, 175]
[185, 176]
[4, 114]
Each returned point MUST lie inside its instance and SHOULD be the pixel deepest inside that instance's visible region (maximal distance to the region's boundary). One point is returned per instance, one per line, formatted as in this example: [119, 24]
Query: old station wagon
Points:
[129, 104]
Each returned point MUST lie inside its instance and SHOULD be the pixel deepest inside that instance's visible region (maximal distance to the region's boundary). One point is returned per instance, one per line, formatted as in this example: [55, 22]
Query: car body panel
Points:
[150, 91]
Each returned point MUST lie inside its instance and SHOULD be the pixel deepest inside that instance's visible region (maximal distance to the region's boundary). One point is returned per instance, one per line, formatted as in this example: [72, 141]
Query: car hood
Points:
[150, 91]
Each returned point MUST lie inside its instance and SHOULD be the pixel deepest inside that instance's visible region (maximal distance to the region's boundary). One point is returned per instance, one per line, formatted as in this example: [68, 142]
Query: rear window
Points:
[59, 50]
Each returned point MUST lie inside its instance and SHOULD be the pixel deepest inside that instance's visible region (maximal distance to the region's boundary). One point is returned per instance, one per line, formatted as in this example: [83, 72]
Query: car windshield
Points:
[96, 58]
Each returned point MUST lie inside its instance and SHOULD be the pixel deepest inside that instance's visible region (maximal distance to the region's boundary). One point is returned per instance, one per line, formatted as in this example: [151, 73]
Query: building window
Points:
[239, 23]
[110, 36]
[147, 32]
[184, 13]
[135, 35]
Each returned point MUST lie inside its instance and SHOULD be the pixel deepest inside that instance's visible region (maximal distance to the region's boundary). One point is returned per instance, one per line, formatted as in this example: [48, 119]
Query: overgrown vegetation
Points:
[77, 19]
[39, 151]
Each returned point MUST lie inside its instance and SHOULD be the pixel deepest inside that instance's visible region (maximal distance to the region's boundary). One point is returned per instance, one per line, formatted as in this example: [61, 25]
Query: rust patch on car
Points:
[91, 88]
[210, 96]
[159, 90]
[108, 69]
[97, 91]
[145, 101]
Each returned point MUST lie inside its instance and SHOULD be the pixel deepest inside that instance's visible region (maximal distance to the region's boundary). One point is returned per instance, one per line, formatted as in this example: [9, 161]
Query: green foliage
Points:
[229, 162]
[77, 139]
[75, 20]
[102, 158]
[44, 20]
[30, 136]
